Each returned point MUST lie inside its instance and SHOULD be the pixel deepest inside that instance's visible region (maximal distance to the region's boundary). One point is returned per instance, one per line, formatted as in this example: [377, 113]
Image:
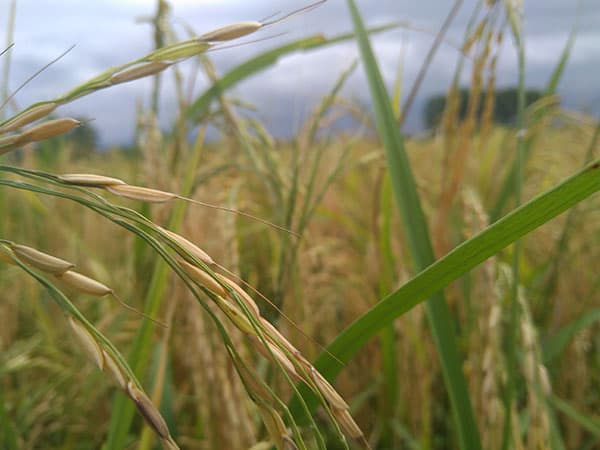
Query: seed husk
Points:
[8, 143]
[189, 246]
[29, 115]
[89, 179]
[229, 32]
[141, 71]
[274, 424]
[88, 342]
[140, 193]
[347, 423]
[180, 50]
[275, 352]
[112, 367]
[46, 130]
[39, 260]
[203, 278]
[274, 334]
[254, 384]
[331, 395]
[84, 284]
[250, 304]
[148, 410]
[236, 316]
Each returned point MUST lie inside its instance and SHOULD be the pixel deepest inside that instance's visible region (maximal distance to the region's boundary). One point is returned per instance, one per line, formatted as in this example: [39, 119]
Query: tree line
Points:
[505, 105]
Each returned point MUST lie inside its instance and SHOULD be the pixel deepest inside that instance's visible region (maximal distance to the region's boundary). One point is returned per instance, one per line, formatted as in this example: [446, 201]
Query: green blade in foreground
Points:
[459, 261]
[417, 237]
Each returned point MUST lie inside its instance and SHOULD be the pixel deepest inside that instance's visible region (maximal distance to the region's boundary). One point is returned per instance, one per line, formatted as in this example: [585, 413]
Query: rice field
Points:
[339, 290]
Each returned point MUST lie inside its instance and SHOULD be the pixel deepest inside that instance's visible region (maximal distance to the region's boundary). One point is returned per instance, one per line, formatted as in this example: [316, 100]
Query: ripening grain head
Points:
[192, 248]
[139, 193]
[42, 261]
[229, 32]
[84, 284]
[29, 115]
[88, 179]
[112, 367]
[88, 342]
[148, 410]
[47, 130]
[140, 71]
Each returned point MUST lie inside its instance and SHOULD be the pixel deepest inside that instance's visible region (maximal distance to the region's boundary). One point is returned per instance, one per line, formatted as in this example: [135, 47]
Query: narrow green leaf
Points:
[459, 261]
[415, 227]
[555, 345]
[589, 424]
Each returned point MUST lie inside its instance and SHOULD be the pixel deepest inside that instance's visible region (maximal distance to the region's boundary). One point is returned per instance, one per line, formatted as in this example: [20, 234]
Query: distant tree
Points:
[505, 106]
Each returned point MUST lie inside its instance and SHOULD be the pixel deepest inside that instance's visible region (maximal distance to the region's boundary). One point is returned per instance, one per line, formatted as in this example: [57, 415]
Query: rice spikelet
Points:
[148, 410]
[84, 284]
[229, 32]
[46, 130]
[140, 193]
[29, 115]
[140, 71]
[42, 261]
[88, 179]
[88, 342]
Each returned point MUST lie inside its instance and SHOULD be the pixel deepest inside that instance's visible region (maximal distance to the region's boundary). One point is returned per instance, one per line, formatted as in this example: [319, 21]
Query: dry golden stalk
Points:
[189, 246]
[88, 342]
[111, 366]
[229, 32]
[140, 193]
[40, 260]
[148, 410]
[28, 116]
[140, 71]
[84, 284]
[88, 179]
[46, 130]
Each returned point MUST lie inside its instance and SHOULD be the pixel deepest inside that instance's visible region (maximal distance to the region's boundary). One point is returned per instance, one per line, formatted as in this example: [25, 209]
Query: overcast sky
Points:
[106, 34]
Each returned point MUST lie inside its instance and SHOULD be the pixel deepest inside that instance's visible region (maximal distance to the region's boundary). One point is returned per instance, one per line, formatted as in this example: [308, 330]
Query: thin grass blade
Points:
[419, 243]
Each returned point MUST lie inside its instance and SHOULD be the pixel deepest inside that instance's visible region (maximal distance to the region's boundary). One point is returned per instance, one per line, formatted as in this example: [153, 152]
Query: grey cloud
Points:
[106, 34]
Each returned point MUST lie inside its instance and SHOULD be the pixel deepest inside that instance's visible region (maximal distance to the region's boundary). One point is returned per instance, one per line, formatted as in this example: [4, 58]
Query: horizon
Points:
[281, 104]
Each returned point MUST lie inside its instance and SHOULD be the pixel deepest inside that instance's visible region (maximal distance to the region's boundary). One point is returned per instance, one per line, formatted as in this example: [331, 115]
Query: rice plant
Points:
[251, 293]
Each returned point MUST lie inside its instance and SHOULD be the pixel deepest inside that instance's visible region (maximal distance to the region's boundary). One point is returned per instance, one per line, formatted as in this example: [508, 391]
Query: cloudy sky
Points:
[106, 33]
